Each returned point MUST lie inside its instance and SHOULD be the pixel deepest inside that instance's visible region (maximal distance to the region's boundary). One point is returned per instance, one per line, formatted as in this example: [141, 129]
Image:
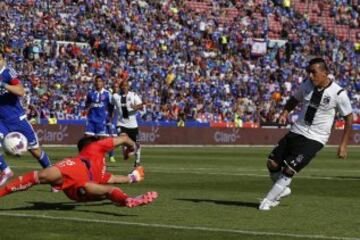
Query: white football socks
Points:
[278, 187]
[137, 155]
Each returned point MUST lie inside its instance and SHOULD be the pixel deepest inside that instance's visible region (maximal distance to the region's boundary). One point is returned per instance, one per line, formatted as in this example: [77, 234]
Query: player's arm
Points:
[110, 110]
[293, 102]
[118, 179]
[110, 113]
[138, 104]
[342, 150]
[123, 140]
[15, 87]
[345, 109]
[87, 102]
[289, 106]
[107, 144]
[138, 107]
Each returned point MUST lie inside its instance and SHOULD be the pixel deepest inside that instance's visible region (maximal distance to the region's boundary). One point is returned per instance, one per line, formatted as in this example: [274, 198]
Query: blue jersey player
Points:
[98, 103]
[13, 117]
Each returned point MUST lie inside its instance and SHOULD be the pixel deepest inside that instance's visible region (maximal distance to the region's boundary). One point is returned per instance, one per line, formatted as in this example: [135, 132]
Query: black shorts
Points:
[133, 133]
[295, 151]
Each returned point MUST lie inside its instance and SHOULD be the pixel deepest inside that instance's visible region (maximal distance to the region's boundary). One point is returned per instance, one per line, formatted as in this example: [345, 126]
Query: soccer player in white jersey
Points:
[127, 103]
[320, 98]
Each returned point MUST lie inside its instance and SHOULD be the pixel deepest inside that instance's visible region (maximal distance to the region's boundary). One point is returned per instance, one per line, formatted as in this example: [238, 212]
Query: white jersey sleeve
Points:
[299, 94]
[112, 99]
[344, 104]
[137, 99]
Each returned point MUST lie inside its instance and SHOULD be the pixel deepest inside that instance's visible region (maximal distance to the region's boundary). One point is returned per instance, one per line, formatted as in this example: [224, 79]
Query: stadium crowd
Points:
[183, 63]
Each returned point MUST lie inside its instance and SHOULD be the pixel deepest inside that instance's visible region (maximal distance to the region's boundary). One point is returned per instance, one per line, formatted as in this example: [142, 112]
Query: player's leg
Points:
[274, 165]
[276, 157]
[112, 133]
[26, 128]
[302, 151]
[102, 131]
[89, 129]
[133, 134]
[124, 149]
[50, 175]
[138, 148]
[6, 172]
[41, 156]
[273, 196]
[112, 156]
[95, 191]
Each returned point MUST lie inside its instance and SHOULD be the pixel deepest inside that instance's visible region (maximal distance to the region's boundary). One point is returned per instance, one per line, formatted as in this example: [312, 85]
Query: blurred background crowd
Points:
[188, 60]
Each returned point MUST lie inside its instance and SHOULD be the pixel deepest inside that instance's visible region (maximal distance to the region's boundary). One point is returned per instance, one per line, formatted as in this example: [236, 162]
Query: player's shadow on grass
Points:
[222, 202]
[67, 206]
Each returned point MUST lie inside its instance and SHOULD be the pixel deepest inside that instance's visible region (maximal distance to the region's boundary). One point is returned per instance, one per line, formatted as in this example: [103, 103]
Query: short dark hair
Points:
[85, 141]
[320, 61]
[99, 76]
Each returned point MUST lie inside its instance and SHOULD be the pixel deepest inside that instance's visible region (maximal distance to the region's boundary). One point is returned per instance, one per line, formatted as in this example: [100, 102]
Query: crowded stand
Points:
[223, 63]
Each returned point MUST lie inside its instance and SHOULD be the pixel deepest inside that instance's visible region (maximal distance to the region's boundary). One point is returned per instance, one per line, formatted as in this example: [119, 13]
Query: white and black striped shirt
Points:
[126, 114]
[318, 110]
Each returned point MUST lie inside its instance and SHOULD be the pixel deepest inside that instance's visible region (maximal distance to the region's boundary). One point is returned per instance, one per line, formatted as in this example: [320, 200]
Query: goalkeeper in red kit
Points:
[84, 177]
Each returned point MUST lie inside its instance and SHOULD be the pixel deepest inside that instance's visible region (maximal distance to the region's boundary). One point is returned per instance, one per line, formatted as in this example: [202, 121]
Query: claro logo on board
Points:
[149, 136]
[226, 137]
[47, 135]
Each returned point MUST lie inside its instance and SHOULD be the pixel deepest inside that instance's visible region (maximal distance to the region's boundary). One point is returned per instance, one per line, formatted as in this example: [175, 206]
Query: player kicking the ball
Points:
[320, 99]
[84, 177]
[13, 118]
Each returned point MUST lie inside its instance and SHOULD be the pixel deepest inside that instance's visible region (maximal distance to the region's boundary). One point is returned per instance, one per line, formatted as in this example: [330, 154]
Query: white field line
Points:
[179, 227]
[205, 171]
[252, 175]
[195, 146]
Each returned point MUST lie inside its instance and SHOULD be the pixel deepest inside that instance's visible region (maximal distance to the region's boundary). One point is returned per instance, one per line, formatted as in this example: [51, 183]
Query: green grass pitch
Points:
[205, 193]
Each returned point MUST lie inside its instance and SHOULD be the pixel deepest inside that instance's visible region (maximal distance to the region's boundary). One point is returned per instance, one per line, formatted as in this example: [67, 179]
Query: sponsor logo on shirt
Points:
[97, 105]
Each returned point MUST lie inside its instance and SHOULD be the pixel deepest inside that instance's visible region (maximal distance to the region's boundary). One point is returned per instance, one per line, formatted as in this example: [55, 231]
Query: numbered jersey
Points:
[99, 105]
[318, 110]
[10, 105]
[123, 106]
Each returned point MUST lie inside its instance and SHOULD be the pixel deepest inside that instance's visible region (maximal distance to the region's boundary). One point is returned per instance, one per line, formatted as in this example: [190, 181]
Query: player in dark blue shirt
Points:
[13, 117]
[98, 103]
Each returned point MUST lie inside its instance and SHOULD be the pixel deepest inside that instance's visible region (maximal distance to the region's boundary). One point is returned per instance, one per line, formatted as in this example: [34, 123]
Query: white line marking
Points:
[341, 178]
[155, 225]
[195, 146]
[205, 171]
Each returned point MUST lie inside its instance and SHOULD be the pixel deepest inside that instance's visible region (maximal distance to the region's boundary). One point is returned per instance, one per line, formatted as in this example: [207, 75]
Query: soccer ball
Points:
[15, 143]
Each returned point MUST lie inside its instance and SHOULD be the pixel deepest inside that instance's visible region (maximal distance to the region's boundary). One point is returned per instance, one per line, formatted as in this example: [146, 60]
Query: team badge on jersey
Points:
[326, 100]
[299, 158]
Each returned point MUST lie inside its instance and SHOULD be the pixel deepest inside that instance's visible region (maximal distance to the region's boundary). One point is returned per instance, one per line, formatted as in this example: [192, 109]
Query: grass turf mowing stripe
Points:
[197, 171]
[154, 225]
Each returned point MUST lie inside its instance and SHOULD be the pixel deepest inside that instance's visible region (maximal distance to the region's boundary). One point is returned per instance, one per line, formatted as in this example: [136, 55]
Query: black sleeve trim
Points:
[341, 90]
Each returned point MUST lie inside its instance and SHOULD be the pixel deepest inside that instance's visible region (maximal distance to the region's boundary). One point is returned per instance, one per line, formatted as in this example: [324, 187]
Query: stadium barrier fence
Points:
[61, 134]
